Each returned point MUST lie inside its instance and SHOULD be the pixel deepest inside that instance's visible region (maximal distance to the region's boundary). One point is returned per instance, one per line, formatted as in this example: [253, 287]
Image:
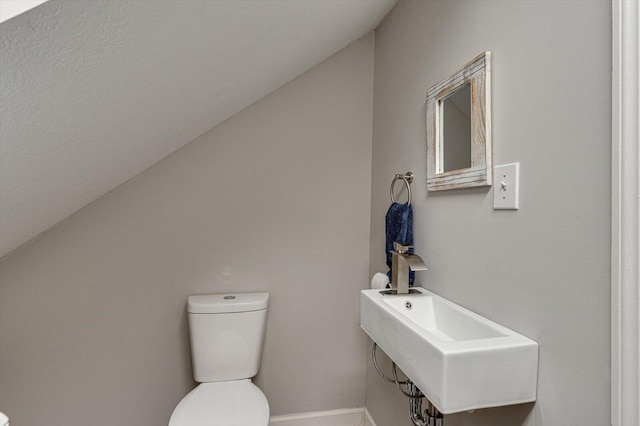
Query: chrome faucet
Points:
[401, 263]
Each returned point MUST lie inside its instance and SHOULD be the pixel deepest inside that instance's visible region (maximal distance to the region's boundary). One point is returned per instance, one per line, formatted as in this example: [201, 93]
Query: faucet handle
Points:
[400, 248]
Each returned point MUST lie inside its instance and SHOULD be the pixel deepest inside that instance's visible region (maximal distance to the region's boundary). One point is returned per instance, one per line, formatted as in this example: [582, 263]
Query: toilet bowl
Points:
[238, 402]
[227, 333]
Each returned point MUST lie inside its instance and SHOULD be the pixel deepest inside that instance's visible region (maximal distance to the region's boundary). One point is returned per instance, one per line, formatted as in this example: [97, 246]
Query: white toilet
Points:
[227, 332]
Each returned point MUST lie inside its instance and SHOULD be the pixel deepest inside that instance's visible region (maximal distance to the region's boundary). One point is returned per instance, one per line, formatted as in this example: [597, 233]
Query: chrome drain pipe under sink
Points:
[431, 416]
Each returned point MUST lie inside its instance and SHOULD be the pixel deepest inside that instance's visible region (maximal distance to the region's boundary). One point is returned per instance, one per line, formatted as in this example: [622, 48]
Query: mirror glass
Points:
[455, 111]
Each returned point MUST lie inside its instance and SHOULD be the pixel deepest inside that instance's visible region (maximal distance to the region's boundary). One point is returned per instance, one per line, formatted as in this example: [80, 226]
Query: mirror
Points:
[459, 128]
[455, 111]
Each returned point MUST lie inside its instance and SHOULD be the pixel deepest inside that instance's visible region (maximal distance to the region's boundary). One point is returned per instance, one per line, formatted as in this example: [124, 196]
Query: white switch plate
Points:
[506, 187]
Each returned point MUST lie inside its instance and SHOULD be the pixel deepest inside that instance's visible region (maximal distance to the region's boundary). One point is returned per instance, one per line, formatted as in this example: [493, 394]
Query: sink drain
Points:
[408, 305]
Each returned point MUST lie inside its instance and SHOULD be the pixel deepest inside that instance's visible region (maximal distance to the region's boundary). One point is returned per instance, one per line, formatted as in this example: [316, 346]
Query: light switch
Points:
[506, 189]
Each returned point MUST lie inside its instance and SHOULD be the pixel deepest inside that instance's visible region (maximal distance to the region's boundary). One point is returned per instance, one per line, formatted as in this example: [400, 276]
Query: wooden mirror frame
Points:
[477, 74]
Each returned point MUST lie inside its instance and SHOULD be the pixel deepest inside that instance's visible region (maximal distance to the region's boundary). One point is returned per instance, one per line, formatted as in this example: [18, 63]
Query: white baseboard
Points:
[344, 417]
[368, 419]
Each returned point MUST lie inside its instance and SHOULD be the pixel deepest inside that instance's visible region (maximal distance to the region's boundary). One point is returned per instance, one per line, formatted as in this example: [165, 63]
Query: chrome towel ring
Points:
[407, 178]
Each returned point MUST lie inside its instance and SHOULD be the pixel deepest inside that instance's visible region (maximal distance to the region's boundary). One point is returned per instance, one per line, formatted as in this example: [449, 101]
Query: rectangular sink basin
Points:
[459, 360]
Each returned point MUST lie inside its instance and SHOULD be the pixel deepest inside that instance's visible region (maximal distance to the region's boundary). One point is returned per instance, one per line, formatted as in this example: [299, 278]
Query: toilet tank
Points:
[227, 333]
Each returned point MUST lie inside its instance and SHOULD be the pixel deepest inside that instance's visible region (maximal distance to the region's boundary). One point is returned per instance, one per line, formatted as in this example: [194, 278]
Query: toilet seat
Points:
[232, 403]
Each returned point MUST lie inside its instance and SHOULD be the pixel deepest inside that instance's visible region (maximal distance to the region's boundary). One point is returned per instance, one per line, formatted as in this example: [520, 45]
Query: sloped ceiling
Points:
[94, 92]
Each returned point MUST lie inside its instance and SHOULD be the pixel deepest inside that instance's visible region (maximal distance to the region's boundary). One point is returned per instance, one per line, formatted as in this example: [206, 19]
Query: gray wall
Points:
[543, 270]
[92, 313]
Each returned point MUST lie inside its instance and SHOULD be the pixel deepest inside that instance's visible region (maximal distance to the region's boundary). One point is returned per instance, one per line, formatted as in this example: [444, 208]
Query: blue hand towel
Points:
[399, 228]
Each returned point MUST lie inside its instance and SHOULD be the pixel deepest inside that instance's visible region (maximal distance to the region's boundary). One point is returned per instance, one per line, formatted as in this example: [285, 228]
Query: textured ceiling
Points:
[94, 92]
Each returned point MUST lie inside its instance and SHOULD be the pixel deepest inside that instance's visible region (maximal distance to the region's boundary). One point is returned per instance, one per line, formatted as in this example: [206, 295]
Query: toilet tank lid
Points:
[227, 303]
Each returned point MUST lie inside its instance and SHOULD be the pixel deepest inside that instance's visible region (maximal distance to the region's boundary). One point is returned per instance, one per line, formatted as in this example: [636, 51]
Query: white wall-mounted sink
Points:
[459, 360]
